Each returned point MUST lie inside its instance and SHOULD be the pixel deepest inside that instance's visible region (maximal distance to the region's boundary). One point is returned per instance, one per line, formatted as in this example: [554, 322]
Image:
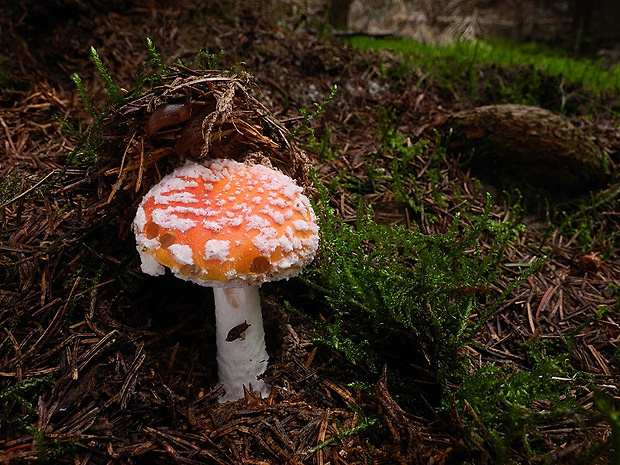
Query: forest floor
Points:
[101, 364]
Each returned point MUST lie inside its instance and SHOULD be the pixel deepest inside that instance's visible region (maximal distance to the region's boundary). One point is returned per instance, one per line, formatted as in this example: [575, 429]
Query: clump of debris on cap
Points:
[197, 116]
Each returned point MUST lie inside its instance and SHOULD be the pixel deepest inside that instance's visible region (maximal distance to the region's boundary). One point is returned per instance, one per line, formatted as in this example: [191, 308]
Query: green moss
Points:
[463, 59]
[210, 60]
[11, 185]
[383, 280]
[89, 142]
[611, 410]
[389, 295]
[115, 94]
[18, 403]
[394, 296]
[586, 221]
[505, 406]
[49, 451]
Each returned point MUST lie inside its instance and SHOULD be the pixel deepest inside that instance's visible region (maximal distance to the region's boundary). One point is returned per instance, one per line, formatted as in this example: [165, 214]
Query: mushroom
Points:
[230, 226]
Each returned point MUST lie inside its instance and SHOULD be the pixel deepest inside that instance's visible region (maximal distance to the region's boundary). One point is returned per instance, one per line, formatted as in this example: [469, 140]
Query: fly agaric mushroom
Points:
[230, 226]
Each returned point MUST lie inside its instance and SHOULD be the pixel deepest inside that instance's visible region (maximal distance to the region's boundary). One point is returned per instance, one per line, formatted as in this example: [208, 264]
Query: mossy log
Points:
[526, 146]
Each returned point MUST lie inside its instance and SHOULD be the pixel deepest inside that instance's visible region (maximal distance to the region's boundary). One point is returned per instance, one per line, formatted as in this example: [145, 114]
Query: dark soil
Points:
[109, 366]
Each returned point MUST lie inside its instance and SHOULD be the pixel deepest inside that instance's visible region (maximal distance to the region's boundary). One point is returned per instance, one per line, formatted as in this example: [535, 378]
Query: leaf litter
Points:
[121, 361]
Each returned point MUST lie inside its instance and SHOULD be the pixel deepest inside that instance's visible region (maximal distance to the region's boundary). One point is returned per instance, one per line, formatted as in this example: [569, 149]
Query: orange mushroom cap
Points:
[225, 223]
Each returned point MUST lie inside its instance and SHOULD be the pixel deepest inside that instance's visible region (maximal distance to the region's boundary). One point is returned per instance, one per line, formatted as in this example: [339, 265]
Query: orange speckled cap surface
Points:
[226, 223]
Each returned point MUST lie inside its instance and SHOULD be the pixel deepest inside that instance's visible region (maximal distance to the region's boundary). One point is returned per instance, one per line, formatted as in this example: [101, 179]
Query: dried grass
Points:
[229, 123]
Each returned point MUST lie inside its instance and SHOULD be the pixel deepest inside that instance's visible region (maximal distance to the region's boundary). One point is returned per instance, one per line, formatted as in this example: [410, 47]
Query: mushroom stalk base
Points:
[240, 338]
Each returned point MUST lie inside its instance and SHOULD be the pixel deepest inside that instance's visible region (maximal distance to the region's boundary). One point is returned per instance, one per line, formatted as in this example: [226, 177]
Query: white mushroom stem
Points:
[240, 361]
